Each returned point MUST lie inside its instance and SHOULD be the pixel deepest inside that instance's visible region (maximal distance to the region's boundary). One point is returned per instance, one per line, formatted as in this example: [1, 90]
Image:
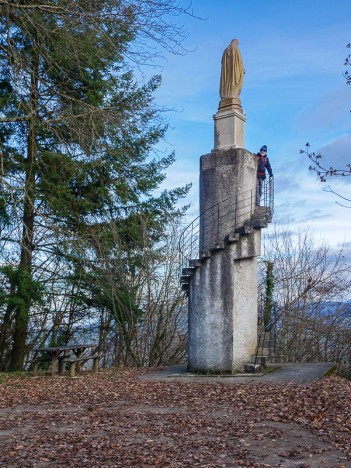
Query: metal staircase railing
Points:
[267, 335]
[209, 230]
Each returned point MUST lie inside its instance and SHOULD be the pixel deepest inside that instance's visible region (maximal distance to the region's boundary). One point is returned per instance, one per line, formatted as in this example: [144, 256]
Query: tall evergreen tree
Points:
[76, 132]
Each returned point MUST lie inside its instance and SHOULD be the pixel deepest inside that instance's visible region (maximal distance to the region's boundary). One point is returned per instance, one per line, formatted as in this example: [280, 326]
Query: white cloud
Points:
[330, 111]
[337, 153]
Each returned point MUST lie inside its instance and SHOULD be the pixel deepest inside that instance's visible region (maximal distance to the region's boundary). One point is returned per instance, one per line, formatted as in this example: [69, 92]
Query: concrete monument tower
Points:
[221, 276]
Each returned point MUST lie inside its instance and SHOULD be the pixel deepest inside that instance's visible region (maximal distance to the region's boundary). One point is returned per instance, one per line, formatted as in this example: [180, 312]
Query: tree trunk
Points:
[27, 246]
[5, 333]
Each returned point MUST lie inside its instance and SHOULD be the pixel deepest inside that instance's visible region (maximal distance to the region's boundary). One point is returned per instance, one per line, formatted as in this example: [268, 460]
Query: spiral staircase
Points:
[236, 216]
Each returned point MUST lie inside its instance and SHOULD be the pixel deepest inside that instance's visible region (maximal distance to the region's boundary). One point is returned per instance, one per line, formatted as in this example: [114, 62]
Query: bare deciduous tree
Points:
[319, 167]
[312, 287]
[142, 304]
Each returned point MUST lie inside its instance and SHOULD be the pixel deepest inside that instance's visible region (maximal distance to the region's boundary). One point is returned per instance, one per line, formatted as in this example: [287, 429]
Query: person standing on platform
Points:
[263, 164]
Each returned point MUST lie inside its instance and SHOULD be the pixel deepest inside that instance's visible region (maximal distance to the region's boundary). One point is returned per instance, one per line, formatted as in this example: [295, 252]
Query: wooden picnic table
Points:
[58, 354]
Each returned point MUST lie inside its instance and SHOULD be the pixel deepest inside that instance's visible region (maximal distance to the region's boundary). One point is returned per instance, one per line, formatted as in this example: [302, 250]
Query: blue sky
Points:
[293, 92]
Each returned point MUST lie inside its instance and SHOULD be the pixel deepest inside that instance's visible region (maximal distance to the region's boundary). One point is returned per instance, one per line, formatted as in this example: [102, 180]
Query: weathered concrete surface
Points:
[304, 373]
[249, 246]
[223, 308]
[227, 193]
[223, 291]
[229, 129]
[244, 310]
[210, 339]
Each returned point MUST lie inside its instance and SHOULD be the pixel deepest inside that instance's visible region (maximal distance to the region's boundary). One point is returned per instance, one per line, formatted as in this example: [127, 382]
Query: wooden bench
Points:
[58, 355]
[36, 361]
[75, 363]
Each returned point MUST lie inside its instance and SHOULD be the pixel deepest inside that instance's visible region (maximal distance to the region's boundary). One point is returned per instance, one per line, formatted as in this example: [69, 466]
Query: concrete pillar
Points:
[223, 291]
[229, 125]
[228, 178]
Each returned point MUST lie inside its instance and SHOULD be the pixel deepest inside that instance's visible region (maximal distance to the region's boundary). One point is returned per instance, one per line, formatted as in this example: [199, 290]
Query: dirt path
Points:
[133, 419]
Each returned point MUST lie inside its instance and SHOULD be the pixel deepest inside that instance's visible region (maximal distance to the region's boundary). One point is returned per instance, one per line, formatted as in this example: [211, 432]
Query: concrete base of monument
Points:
[278, 372]
[222, 323]
[234, 373]
[229, 128]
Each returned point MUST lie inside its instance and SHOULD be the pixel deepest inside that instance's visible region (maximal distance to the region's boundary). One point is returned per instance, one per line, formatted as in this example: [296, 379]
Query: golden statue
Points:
[232, 74]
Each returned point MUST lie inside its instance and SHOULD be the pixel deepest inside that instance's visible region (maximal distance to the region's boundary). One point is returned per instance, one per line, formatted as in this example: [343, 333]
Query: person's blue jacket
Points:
[263, 164]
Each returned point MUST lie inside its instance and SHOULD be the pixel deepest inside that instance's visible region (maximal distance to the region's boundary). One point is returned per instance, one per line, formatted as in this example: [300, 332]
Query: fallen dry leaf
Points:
[119, 419]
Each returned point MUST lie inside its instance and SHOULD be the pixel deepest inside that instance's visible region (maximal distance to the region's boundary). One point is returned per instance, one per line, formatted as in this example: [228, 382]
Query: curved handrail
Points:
[210, 228]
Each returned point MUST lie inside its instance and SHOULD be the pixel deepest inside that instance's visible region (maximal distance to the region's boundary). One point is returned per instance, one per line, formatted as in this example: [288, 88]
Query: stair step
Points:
[260, 217]
[264, 345]
[206, 254]
[188, 271]
[185, 279]
[262, 360]
[252, 368]
[219, 246]
[264, 342]
[261, 333]
[232, 238]
[243, 230]
[263, 212]
[195, 263]
[260, 224]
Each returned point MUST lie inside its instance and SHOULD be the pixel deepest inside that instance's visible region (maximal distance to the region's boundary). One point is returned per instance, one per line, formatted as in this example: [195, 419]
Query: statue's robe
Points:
[232, 74]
